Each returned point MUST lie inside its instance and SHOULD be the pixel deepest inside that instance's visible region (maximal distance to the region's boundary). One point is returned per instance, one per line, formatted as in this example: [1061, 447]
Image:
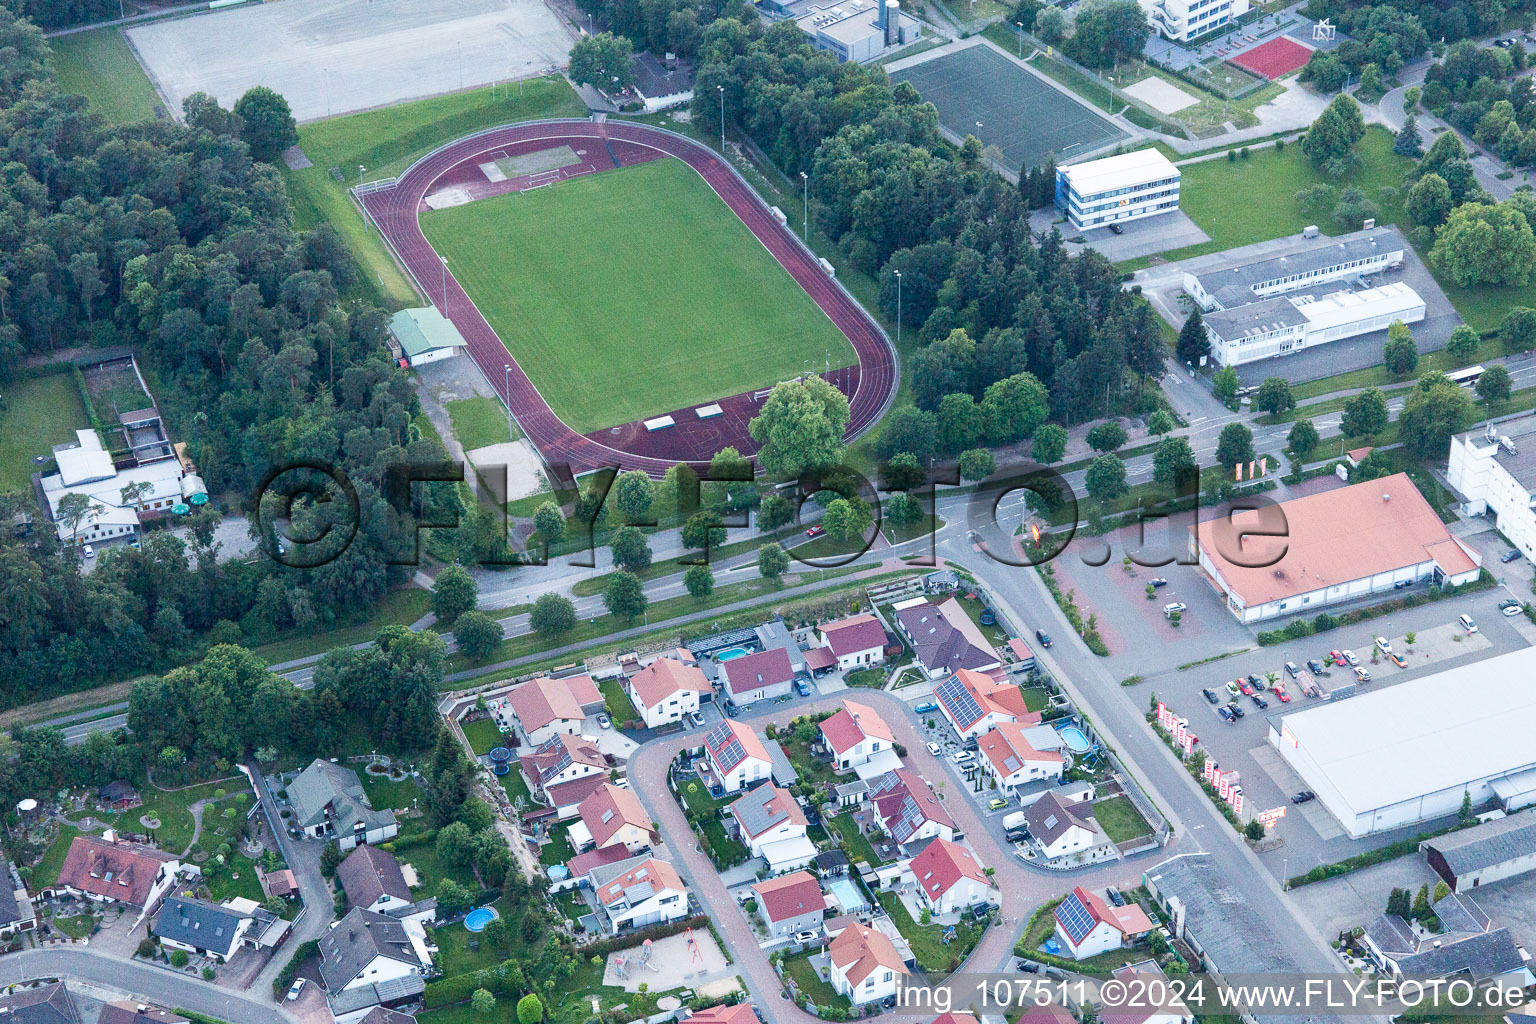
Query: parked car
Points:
[296, 989]
[88, 551]
[923, 709]
[1117, 229]
[1210, 695]
[805, 938]
[1174, 606]
[1362, 673]
[1467, 623]
[1509, 556]
[816, 531]
[1226, 714]
[1235, 708]
[1232, 689]
[1293, 669]
[1337, 658]
[1315, 665]
[961, 756]
[934, 748]
[1044, 637]
[997, 803]
[1259, 701]
[1281, 694]
[1244, 687]
[1510, 607]
[1158, 581]
[802, 687]
[1349, 656]
[696, 718]
[604, 722]
[1384, 644]
[1397, 659]
[1303, 797]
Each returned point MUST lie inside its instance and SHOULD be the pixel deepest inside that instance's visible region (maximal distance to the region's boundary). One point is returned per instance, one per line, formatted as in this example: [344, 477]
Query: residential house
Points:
[108, 871]
[1060, 829]
[564, 771]
[373, 879]
[736, 755]
[46, 1004]
[545, 707]
[130, 1012]
[375, 1002]
[790, 903]
[612, 816]
[1012, 762]
[856, 734]
[772, 826]
[200, 927]
[1087, 924]
[667, 689]
[741, 1013]
[1151, 999]
[830, 864]
[949, 878]
[369, 949]
[638, 892]
[973, 703]
[944, 638]
[855, 642]
[280, 884]
[1495, 850]
[383, 1015]
[1467, 944]
[328, 800]
[906, 809]
[766, 675]
[16, 910]
[863, 965]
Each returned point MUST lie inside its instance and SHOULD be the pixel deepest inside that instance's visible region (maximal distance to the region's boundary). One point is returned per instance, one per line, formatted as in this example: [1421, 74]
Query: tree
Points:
[1013, 408]
[1485, 244]
[75, 510]
[1172, 455]
[1302, 439]
[704, 529]
[1462, 344]
[1409, 142]
[1160, 422]
[179, 958]
[453, 593]
[902, 472]
[1430, 200]
[1234, 446]
[774, 512]
[1224, 383]
[478, 635]
[772, 561]
[1106, 437]
[1049, 444]
[700, 581]
[911, 430]
[549, 521]
[977, 464]
[1399, 354]
[1466, 805]
[268, 126]
[482, 1003]
[959, 421]
[1107, 31]
[1494, 384]
[1193, 344]
[624, 595]
[633, 493]
[1364, 414]
[605, 61]
[1333, 135]
[902, 509]
[1431, 413]
[1421, 902]
[1275, 395]
[1254, 830]
[1400, 902]
[530, 1009]
[1051, 25]
[1105, 478]
[630, 549]
[1353, 208]
[848, 518]
[552, 615]
[800, 426]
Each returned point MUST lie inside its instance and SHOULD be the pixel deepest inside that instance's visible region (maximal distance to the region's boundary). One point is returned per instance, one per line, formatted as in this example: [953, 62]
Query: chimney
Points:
[1386, 497]
[892, 22]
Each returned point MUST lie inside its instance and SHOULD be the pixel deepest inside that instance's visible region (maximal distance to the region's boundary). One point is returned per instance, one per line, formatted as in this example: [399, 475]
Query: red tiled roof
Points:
[737, 744]
[663, 677]
[818, 658]
[989, 696]
[903, 801]
[854, 634]
[659, 873]
[852, 723]
[942, 864]
[116, 871]
[566, 794]
[1129, 920]
[610, 808]
[790, 895]
[955, 1018]
[741, 1013]
[859, 950]
[541, 701]
[1005, 743]
[755, 671]
[582, 863]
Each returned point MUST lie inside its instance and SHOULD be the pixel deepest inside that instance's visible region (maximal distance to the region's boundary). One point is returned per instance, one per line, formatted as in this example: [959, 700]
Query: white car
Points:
[296, 989]
[934, 748]
[88, 551]
[1467, 623]
[1385, 645]
[1349, 656]
[1511, 608]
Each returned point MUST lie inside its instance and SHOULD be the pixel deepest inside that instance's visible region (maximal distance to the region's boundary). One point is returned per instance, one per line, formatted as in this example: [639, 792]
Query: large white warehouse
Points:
[1407, 753]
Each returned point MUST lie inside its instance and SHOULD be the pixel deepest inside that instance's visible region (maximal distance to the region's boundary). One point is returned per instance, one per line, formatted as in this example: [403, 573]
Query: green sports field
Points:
[100, 66]
[633, 292]
[37, 414]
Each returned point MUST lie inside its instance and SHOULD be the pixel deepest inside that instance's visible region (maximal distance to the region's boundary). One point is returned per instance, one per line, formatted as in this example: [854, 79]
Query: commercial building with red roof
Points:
[666, 690]
[736, 755]
[790, 903]
[116, 872]
[1322, 549]
[949, 878]
[856, 642]
[855, 734]
[1011, 760]
[762, 676]
[863, 964]
[1088, 924]
[613, 816]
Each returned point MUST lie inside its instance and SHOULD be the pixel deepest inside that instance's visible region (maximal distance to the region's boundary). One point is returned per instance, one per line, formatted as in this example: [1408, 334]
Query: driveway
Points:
[303, 858]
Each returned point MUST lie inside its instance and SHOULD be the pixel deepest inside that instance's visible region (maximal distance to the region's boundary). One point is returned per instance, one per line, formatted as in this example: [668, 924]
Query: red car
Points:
[816, 531]
[1242, 684]
[1285, 698]
[1337, 658]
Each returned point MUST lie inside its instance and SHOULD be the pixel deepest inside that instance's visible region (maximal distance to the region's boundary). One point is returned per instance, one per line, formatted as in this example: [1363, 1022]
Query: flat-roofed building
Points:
[1408, 753]
[858, 30]
[1285, 325]
[1117, 189]
[1345, 258]
[1494, 469]
[1340, 545]
[1183, 20]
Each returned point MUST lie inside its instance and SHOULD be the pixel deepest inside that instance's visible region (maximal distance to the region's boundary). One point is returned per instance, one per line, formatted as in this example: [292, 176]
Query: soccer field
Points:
[100, 66]
[631, 293]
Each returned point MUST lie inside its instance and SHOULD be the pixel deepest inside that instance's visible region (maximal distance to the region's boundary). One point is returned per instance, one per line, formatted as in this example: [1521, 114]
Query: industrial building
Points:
[1183, 20]
[1408, 753]
[1495, 471]
[1340, 545]
[1117, 189]
[1252, 311]
[1491, 852]
[858, 30]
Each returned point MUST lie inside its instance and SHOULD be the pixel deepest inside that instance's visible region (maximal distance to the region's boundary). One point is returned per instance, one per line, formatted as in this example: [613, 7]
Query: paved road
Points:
[138, 980]
[303, 857]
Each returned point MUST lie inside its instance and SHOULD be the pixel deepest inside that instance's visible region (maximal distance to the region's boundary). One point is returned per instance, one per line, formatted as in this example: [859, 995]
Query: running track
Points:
[395, 210]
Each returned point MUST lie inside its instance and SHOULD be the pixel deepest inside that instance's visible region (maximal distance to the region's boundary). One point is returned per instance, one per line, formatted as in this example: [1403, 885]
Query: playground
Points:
[685, 960]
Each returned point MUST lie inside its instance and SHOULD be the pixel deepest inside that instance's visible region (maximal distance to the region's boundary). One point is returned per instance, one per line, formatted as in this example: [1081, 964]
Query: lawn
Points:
[870, 677]
[171, 808]
[431, 870]
[454, 955]
[620, 708]
[558, 850]
[225, 885]
[100, 66]
[516, 787]
[77, 926]
[927, 941]
[46, 871]
[387, 794]
[36, 415]
[483, 735]
[569, 304]
[723, 850]
[478, 422]
[855, 844]
[1120, 820]
[1035, 698]
[397, 608]
[810, 984]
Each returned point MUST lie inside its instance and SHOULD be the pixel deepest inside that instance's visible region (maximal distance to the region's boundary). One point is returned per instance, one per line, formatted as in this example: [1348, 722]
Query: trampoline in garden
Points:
[477, 919]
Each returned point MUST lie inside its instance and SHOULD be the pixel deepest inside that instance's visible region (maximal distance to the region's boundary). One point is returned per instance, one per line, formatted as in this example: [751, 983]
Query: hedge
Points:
[1324, 622]
[410, 841]
[1391, 851]
[291, 968]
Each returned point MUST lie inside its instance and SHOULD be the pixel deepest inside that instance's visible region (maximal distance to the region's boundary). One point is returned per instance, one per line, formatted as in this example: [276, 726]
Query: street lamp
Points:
[445, 284]
[722, 118]
[1021, 39]
[898, 306]
[805, 181]
[360, 202]
[507, 390]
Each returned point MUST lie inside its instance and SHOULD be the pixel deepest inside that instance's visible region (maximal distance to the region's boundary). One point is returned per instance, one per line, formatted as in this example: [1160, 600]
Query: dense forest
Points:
[59, 13]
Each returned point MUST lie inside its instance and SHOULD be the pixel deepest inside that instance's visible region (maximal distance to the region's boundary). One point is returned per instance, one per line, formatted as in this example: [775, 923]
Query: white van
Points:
[1467, 623]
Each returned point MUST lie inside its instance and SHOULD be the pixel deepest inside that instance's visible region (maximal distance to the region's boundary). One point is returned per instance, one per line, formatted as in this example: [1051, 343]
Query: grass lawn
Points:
[76, 927]
[559, 849]
[176, 825]
[454, 955]
[483, 735]
[907, 531]
[927, 941]
[726, 852]
[653, 236]
[855, 844]
[620, 707]
[809, 982]
[46, 871]
[871, 677]
[389, 794]
[430, 869]
[398, 608]
[478, 422]
[1120, 820]
[1035, 698]
[516, 787]
[100, 66]
[38, 414]
[696, 797]
[225, 885]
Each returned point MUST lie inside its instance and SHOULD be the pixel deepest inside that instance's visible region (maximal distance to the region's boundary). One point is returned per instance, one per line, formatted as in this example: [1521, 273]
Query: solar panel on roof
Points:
[1011, 763]
[958, 699]
[1074, 918]
[718, 734]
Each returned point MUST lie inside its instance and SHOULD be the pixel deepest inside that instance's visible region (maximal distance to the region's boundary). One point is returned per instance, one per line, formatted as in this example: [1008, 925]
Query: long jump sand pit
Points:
[1164, 97]
[333, 56]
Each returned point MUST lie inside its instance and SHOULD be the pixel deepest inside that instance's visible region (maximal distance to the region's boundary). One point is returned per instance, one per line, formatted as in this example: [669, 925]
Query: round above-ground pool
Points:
[477, 919]
[1075, 739]
[732, 653]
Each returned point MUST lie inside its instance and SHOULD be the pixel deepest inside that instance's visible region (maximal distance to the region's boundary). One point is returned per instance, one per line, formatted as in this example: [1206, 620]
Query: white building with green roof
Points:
[424, 336]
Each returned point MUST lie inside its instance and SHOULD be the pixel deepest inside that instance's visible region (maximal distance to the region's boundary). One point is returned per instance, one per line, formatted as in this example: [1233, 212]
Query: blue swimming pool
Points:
[477, 919]
[732, 653]
[1075, 739]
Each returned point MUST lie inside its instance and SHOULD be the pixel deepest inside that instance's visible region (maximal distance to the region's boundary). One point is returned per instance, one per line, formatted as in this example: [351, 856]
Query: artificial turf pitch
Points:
[633, 292]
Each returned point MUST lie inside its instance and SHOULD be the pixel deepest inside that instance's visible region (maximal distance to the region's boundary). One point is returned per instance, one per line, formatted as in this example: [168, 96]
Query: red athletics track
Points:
[396, 207]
